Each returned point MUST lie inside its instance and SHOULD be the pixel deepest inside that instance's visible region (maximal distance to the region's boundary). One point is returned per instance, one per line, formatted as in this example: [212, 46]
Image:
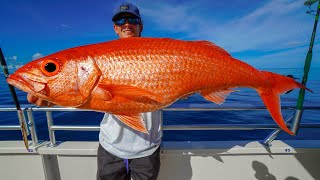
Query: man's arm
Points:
[37, 101]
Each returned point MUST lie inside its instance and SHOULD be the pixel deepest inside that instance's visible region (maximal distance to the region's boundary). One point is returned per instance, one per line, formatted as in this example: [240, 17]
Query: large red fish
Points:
[129, 76]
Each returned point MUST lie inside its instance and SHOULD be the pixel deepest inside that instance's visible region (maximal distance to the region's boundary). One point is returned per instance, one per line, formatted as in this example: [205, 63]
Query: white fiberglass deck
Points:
[289, 160]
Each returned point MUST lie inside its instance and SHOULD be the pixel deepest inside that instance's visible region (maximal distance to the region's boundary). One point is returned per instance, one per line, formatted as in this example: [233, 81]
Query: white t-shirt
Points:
[124, 142]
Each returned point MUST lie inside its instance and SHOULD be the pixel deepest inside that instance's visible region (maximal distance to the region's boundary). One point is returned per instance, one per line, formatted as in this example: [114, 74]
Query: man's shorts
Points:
[112, 167]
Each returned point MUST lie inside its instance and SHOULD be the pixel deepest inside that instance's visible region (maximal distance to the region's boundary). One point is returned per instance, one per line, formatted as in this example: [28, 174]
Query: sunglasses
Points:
[122, 21]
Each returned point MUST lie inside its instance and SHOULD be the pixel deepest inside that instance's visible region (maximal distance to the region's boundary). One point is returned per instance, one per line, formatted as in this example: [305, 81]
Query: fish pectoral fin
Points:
[133, 93]
[135, 121]
[101, 94]
[217, 97]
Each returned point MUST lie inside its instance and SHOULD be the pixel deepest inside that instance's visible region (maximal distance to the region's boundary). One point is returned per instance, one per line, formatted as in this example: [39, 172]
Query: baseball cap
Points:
[125, 8]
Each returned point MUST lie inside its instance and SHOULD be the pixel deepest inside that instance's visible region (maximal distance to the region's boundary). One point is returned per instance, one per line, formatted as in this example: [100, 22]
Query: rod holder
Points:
[32, 127]
[50, 130]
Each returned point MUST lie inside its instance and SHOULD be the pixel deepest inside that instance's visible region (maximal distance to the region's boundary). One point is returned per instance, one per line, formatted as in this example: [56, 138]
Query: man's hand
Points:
[37, 101]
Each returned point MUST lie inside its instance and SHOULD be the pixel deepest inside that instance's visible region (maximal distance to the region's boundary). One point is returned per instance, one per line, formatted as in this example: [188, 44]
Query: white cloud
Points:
[13, 58]
[10, 67]
[279, 30]
[293, 58]
[271, 26]
[172, 18]
[65, 26]
[37, 56]
[293, 43]
[12, 62]
[18, 66]
[274, 25]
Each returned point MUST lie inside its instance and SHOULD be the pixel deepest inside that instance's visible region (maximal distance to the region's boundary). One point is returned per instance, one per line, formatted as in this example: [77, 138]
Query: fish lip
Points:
[23, 83]
[20, 83]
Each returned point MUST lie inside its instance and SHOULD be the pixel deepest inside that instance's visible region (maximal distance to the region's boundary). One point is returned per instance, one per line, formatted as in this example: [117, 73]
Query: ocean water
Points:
[245, 97]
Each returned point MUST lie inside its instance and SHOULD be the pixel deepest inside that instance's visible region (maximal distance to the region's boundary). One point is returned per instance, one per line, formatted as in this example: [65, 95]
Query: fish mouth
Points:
[26, 82]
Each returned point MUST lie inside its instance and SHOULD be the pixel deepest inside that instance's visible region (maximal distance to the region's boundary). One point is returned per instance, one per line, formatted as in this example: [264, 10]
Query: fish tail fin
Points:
[275, 85]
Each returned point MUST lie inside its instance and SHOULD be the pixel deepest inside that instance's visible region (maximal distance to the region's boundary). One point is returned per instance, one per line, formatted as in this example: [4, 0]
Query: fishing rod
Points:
[298, 111]
[21, 117]
[307, 65]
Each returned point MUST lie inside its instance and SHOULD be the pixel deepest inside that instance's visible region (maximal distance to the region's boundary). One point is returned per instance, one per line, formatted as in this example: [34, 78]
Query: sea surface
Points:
[245, 97]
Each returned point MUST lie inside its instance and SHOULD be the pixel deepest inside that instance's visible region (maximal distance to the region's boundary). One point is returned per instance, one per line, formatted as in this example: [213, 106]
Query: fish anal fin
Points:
[133, 93]
[135, 121]
[272, 102]
[217, 97]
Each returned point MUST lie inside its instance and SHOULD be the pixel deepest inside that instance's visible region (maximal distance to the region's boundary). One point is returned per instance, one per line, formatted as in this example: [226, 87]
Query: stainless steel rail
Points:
[30, 125]
[52, 128]
[191, 127]
[8, 127]
[178, 109]
[76, 128]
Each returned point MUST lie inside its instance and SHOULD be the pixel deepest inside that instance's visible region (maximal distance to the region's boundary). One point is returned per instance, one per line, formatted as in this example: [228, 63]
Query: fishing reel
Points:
[310, 3]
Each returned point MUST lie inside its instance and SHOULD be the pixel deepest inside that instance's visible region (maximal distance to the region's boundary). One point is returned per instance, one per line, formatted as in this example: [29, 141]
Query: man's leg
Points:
[145, 168]
[110, 167]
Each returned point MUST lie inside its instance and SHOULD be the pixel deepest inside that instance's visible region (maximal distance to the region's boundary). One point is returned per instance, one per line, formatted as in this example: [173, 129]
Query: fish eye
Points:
[50, 67]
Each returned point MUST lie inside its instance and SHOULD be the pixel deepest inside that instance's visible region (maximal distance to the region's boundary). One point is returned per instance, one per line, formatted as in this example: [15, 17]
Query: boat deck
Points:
[179, 160]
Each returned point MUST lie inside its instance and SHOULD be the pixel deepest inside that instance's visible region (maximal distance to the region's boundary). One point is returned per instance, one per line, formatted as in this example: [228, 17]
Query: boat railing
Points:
[28, 118]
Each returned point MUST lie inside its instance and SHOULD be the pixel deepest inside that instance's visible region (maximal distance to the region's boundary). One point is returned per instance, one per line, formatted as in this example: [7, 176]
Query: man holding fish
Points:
[133, 76]
[123, 152]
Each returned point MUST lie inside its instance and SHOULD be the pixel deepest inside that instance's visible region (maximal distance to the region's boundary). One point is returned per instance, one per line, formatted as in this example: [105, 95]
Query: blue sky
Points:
[273, 33]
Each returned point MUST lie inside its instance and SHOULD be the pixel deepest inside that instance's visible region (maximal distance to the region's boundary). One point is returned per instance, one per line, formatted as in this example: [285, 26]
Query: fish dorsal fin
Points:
[135, 121]
[217, 97]
[133, 93]
[212, 45]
